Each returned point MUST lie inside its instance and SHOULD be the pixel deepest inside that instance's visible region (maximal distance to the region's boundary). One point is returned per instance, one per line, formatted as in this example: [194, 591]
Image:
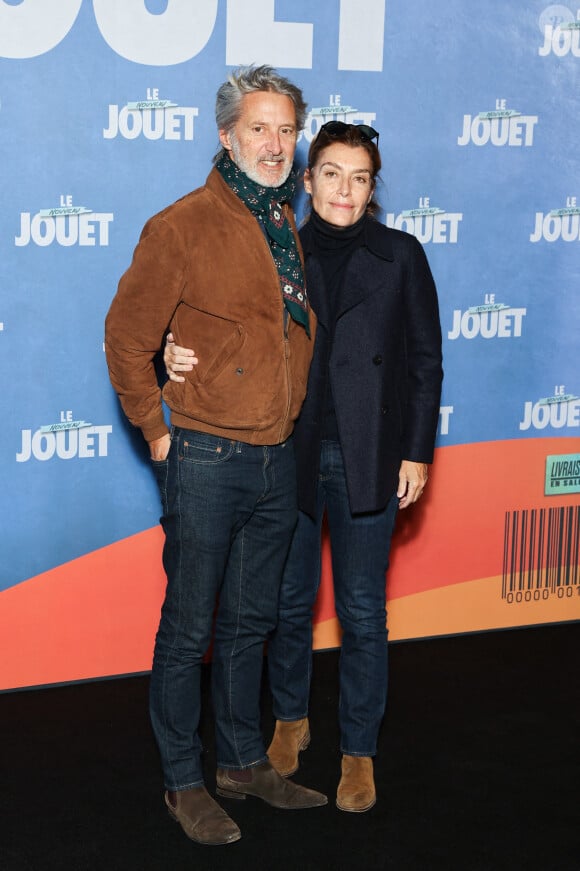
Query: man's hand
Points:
[177, 359]
[412, 480]
[160, 447]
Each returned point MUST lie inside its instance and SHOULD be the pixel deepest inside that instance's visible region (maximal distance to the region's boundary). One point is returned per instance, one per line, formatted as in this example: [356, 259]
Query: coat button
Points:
[384, 409]
[239, 371]
[377, 360]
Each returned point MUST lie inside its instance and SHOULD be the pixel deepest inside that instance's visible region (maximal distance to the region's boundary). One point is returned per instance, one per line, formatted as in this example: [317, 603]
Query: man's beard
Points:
[252, 170]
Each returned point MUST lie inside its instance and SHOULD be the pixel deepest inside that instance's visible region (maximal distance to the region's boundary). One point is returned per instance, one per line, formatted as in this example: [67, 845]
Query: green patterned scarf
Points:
[266, 205]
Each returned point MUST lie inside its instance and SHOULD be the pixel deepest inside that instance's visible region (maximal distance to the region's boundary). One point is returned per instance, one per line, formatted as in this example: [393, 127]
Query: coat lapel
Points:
[366, 271]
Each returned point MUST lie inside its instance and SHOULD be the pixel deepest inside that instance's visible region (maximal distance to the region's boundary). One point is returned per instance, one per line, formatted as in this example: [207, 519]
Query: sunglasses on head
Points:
[337, 128]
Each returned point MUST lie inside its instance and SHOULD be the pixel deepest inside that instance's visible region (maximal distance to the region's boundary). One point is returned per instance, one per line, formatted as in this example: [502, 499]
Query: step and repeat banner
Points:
[107, 116]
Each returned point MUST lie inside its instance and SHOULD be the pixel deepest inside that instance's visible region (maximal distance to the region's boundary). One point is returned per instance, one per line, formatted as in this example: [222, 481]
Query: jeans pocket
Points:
[204, 449]
[161, 472]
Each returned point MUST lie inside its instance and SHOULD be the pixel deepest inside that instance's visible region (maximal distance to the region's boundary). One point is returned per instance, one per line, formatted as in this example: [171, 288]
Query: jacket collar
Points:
[219, 188]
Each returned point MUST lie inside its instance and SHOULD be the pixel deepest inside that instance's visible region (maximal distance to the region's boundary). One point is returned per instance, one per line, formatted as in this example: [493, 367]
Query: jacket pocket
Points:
[214, 339]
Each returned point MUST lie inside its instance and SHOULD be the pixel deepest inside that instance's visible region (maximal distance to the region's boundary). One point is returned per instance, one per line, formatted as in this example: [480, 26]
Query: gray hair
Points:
[246, 80]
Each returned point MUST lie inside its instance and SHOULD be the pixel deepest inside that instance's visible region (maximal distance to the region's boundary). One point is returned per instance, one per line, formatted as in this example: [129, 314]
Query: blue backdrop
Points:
[106, 116]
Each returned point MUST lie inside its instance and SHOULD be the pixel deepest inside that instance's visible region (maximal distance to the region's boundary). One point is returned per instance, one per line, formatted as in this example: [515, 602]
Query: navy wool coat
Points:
[384, 365]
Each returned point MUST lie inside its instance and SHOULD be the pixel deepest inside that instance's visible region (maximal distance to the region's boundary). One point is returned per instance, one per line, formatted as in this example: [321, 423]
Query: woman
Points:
[363, 441]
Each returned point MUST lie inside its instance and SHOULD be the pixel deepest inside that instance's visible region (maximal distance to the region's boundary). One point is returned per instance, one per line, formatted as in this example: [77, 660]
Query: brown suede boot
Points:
[356, 790]
[289, 739]
[201, 818]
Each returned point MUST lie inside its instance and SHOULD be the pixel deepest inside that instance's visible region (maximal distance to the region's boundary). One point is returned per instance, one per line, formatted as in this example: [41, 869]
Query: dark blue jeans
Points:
[229, 511]
[360, 547]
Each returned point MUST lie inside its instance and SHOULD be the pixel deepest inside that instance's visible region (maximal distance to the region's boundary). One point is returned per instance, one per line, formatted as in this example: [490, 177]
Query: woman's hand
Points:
[177, 359]
[412, 480]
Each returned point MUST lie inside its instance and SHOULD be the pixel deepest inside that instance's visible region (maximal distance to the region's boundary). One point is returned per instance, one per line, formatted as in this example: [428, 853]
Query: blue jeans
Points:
[229, 511]
[360, 547]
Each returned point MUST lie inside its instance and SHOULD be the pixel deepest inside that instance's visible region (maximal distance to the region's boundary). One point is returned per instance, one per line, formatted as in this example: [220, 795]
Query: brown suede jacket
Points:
[203, 270]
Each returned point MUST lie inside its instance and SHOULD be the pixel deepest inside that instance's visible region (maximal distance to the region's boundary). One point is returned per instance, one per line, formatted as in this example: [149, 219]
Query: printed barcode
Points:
[541, 552]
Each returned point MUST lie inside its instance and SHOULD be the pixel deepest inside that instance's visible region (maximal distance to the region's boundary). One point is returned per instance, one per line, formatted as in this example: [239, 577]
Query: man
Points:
[221, 266]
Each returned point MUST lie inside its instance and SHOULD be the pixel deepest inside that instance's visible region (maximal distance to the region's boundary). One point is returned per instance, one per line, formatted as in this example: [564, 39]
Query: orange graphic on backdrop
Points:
[97, 615]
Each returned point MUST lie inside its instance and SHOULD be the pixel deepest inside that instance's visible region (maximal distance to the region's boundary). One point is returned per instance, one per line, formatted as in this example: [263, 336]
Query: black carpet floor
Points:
[478, 770]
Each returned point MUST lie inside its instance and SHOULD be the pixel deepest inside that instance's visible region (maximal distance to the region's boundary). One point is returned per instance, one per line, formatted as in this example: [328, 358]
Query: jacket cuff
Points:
[154, 428]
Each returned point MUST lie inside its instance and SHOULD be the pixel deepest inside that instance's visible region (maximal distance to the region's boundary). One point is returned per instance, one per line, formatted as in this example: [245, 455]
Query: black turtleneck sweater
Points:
[333, 247]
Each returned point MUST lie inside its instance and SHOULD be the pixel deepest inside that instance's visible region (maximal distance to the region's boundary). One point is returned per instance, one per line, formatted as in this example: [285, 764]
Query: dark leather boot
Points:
[263, 781]
[200, 817]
